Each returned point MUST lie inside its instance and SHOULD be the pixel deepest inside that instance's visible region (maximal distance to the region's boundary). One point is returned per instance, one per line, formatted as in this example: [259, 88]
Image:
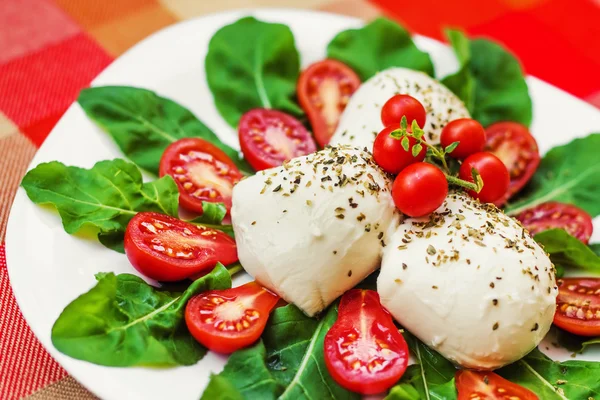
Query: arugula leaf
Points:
[569, 174]
[403, 391]
[571, 342]
[123, 321]
[595, 247]
[379, 45]
[554, 380]
[432, 373]
[294, 360]
[568, 251]
[143, 124]
[490, 81]
[252, 64]
[245, 376]
[106, 196]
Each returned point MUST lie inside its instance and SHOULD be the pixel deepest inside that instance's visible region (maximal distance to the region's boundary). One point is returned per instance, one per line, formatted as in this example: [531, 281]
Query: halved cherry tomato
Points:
[553, 214]
[475, 385]
[578, 306]
[512, 143]
[168, 249]
[403, 105]
[228, 320]
[202, 171]
[324, 89]
[493, 173]
[391, 156]
[364, 351]
[268, 138]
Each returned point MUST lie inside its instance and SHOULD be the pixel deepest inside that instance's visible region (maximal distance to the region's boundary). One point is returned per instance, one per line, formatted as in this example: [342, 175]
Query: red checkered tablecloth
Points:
[50, 49]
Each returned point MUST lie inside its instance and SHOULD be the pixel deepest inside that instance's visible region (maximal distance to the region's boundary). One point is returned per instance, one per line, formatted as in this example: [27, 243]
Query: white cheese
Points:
[314, 228]
[469, 282]
[361, 120]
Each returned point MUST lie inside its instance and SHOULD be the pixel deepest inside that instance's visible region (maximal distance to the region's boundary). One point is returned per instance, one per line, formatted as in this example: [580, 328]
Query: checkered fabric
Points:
[49, 50]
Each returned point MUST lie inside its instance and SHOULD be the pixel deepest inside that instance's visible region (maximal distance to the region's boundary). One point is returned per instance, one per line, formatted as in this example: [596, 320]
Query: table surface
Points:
[44, 62]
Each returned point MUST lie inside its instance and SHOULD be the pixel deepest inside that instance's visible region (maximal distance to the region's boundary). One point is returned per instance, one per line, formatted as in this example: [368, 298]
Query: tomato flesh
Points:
[578, 306]
[552, 214]
[364, 351]
[474, 385]
[512, 143]
[268, 138]
[202, 172]
[228, 320]
[168, 249]
[324, 89]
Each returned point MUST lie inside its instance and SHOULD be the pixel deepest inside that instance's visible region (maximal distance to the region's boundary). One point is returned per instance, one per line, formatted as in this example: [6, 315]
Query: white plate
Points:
[48, 268]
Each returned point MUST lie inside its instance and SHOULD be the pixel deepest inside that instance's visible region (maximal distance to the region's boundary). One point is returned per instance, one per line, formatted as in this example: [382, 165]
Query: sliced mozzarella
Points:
[361, 120]
[470, 283]
[314, 228]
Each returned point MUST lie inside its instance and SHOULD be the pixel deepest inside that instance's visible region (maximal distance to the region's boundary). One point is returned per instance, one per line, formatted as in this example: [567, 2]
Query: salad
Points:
[405, 236]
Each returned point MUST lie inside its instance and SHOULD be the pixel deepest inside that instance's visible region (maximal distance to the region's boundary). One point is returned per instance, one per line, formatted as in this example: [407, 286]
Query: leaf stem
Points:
[438, 154]
[234, 269]
[462, 183]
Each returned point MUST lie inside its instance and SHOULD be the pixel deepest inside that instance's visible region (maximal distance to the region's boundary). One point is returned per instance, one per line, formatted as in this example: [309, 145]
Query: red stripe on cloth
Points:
[29, 25]
[24, 364]
[38, 132]
[47, 82]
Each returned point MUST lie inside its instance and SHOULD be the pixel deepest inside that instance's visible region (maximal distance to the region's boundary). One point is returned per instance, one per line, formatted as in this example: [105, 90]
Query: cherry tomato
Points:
[390, 155]
[228, 320]
[468, 132]
[552, 214]
[578, 306]
[493, 173]
[364, 351]
[268, 138]
[168, 249]
[202, 171]
[419, 189]
[472, 385]
[324, 89]
[403, 105]
[512, 143]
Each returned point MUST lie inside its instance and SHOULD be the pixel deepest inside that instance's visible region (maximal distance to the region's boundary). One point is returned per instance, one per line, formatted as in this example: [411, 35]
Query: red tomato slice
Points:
[552, 214]
[202, 171]
[474, 385]
[512, 143]
[364, 351]
[268, 138]
[324, 89]
[578, 306]
[228, 320]
[168, 249]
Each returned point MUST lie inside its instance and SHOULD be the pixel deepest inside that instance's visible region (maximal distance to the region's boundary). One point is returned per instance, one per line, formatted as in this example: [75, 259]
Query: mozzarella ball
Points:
[361, 120]
[469, 282]
[314, 228]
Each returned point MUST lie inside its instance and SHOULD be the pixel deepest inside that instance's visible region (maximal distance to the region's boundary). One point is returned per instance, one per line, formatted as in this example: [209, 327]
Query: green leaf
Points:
[252, 64]
[451, 147]
[403, 391]
[553, 380]
[293, 366]
[123, 321]
[378, 45]
[404, 123]
[404, 142]
[143, 124]
[431, 373]
[595, 247]
[416, 149]
[106, 196]
[569, 174]
[568, 251]
[245, 376]
[490, 81]
[212, 216]
[571, 342]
